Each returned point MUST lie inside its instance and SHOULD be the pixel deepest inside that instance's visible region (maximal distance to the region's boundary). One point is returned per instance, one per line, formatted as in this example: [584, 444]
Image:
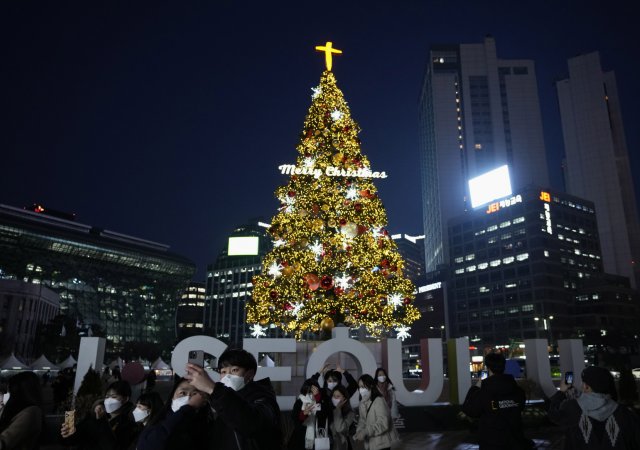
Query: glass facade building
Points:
[127, 286]
[530, 266]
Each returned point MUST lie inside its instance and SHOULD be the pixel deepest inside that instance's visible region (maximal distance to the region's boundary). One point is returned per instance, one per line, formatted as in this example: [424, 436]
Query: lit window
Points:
[508, 260]
[459, 259]
[470, 257]
[546, 253]
[523, 256]
[495, 263]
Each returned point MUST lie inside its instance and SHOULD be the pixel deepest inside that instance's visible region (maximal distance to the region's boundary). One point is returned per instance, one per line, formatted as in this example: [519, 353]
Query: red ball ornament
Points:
[273, 294]
[343, 221]
[313, 281]
[406, 301]
[287, 306]
[306, 295]
[327, 282]
[291, 193]
[362, 229]
[384, 263]
[358, 207]
[338, 291]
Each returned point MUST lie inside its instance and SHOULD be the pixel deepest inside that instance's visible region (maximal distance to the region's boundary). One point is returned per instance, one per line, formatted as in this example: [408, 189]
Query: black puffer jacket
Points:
[498, 405]
[248, 419]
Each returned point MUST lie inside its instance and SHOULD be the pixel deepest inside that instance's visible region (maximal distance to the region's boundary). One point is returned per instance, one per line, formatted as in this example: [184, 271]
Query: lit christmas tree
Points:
[333, 261]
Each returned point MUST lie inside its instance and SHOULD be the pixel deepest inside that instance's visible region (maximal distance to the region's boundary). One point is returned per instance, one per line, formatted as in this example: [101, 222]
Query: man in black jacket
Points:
[497, 402]
[593, 418]
[247, 414]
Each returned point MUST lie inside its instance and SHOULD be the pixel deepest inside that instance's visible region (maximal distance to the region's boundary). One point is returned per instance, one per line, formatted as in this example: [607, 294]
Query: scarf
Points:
[597, 406]
[309, 423]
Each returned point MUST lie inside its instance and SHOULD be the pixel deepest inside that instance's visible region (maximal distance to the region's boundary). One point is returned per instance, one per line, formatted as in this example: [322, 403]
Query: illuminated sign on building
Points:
[430, 287]
[504, 203]
[243, 246]
[545, 196]
[490, 186]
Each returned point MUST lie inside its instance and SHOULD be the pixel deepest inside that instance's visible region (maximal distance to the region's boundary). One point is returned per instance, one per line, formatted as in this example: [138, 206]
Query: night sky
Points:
[168, 121]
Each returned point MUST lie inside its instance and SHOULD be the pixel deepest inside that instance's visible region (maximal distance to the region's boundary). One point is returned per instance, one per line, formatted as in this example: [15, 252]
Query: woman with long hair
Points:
[375, 427]
[388, 391]
[22, 417]
[343, 418]
[186, 421]
[148, 407]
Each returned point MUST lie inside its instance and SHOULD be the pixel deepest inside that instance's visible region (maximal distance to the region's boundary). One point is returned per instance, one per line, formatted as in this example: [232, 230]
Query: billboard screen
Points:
[490, 186]
[242, 246]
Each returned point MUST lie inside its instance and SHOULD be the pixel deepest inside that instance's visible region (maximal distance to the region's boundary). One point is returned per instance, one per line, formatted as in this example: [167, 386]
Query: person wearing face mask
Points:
[333, 378]
[247, 413]
[388, 391]
[148, 408]
[185, 422]
[375, 427]
[310, 408]
[22, 417]
[343, 418]
[593, 418]
[109, 426]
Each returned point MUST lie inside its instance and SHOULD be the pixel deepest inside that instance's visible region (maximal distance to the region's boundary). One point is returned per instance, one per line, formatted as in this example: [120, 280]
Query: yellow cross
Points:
[327, 52]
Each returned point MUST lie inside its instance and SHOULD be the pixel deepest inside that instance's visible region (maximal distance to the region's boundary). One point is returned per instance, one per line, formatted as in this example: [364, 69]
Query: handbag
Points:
[321, 441]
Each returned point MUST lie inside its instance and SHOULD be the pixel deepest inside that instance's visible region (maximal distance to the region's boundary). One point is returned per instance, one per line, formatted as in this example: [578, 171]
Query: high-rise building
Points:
[229, 282]
[127, 286]
[477, 112]
[530, 266]
[411, 249]
[190, 312]
[597, 160]
[24, 306]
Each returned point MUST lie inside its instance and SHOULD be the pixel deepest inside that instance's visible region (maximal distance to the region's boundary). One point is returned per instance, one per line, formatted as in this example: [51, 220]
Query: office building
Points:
[597, 160]
[530, 266]
[411, 249]
[230, 282]
[127, 286]
[24, 306]
[477, 112]
[190, 311]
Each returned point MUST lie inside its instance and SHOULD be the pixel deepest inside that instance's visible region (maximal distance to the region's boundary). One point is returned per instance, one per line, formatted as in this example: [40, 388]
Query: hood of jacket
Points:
[597, 406]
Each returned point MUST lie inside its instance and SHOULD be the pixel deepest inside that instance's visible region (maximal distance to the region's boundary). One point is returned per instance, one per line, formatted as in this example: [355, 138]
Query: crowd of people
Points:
[241, 413]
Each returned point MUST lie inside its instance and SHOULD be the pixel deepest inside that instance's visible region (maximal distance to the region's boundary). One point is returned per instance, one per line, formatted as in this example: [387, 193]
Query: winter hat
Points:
[600, 380]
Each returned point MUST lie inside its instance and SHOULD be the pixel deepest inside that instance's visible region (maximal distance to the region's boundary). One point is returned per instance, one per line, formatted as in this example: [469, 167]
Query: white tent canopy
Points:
[159, 364]
[43, 363]
[12, 363]
[69, 362]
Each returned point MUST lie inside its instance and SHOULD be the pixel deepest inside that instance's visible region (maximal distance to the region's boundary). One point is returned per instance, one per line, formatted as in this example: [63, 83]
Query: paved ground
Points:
[548, 439]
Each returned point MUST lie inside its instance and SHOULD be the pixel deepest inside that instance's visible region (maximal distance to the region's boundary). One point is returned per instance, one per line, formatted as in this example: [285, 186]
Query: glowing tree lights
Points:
[334, 261]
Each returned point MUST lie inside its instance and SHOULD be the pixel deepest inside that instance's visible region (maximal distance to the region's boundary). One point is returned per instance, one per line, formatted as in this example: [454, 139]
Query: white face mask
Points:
[364, 393]
[382, 379]
[179, 402]
[332, 385]
[140, 414]
[5, 398]
[335, 401]
[111, 404]
[235, 382]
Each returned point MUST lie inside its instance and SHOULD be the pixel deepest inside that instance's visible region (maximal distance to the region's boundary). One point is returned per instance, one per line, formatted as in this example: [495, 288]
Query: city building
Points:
[530, 266]
[477, 112]
[411, 249]
[229, 282]
[23, 306]
[597, 160]
[190, 311]
[127, 286]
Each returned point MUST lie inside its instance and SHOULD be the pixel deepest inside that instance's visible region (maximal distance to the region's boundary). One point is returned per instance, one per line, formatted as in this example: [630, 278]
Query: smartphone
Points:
[484, 374]
[568, 378]
[196, 357]
[70, 420]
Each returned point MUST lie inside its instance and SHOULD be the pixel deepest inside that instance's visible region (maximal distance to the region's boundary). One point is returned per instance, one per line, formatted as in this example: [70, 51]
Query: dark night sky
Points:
[168, 121]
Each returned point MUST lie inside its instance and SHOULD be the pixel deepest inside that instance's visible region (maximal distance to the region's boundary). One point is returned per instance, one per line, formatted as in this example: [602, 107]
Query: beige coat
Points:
[23, 430]
[375, 426]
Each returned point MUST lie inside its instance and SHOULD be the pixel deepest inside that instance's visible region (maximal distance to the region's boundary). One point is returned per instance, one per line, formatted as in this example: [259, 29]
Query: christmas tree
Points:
[333, 261]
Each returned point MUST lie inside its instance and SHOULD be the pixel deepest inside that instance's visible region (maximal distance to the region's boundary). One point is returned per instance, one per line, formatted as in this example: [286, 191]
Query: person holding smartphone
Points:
[592, 417]
[247, 413]
[497, 402]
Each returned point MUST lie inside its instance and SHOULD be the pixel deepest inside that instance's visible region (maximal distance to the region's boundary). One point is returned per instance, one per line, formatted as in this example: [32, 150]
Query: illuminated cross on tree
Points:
[328, 50]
